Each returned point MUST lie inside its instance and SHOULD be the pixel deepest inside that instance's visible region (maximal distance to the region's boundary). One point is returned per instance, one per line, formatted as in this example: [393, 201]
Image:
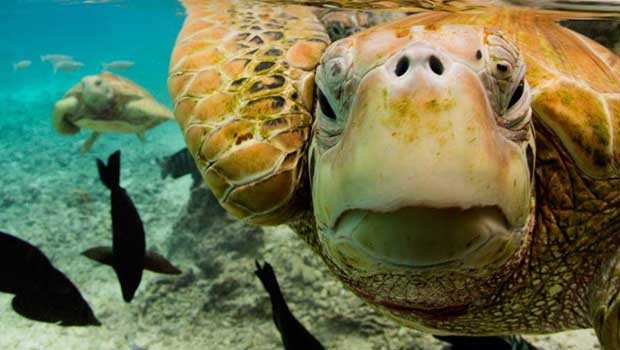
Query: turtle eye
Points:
[516, 96]
[326, 108]
[529, 154]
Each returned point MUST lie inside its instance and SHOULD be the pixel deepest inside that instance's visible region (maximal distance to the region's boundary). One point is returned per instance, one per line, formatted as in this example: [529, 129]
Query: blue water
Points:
[142, 31]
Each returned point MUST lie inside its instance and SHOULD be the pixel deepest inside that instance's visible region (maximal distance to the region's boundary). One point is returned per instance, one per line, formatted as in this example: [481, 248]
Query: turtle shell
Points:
[109, 103]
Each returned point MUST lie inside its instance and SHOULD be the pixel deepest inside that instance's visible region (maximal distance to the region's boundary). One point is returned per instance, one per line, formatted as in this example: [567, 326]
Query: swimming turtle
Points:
[107, 103]
[456, 170]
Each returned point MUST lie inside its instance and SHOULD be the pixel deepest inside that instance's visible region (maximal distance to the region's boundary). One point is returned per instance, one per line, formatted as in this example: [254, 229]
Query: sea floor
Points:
[52, 197]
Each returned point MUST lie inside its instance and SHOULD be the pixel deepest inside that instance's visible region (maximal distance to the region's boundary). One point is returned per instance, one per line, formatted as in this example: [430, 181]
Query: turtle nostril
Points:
[402, 66]
[436, 65]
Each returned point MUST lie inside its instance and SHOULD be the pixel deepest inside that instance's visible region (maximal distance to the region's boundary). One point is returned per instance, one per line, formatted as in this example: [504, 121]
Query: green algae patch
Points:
[579, 118]
[440, 105]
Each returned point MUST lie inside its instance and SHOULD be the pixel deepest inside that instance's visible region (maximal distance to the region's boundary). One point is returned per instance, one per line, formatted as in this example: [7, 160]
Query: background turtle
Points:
[457, 171]
[107, 103]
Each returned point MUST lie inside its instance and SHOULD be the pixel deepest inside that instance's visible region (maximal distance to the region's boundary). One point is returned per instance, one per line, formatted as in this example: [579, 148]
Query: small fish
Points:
[117, 65]
[179, 164]
[294, 335]
[42, 293]
[486, 343]
[53, 58]
[127, 256]
[67, 66]
[23, 64]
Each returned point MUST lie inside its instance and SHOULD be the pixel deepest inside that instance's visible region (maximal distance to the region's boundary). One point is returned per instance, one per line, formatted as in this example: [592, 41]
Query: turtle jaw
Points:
[423, 238]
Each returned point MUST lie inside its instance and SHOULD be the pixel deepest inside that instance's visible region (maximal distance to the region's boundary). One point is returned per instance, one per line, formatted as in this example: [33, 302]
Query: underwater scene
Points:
[342, 174]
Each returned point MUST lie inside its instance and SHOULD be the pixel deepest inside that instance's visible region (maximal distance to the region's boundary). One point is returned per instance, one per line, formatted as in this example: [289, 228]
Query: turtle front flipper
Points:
[89, 142]
[242, 81]
[62, 109]
[150, 108]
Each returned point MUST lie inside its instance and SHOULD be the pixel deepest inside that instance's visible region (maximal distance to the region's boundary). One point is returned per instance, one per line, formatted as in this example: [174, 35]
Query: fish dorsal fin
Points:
[155, 262]
[101, 254]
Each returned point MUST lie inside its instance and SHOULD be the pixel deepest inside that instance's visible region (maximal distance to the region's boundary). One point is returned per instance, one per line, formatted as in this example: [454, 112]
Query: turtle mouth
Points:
[421, 237]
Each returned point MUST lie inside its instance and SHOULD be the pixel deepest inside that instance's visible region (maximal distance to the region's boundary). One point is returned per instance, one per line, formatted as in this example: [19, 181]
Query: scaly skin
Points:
[605, 303]
[553, 284]
[562, 275]
[242, 78]
[405, 5]
[343, 23]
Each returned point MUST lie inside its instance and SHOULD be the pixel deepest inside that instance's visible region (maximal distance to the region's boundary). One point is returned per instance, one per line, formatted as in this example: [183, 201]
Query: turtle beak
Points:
[426, 237]
[422, 176]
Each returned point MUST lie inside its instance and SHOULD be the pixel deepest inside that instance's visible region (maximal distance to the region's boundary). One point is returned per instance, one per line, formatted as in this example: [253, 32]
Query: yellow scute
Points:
[578, 117]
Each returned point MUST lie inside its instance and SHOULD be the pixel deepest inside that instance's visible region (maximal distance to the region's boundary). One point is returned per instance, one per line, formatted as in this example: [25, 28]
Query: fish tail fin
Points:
[157, 263]
[14, 66]
[104, 66]
[110, 173]
[178, 164]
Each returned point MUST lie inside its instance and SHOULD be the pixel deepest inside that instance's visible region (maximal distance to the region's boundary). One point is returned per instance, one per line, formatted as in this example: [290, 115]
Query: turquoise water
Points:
[51, 196]
[141, 31]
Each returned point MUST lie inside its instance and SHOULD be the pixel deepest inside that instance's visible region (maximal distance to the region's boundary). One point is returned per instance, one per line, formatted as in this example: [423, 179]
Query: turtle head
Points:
[422, 159]
[97, 92]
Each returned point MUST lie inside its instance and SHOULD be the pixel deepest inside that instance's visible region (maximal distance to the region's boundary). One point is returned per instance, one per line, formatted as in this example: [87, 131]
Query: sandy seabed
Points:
[52, 197]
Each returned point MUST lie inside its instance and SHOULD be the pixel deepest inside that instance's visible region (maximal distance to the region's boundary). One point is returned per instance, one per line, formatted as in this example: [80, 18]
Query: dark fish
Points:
[42, 293]
[179, 164]
[128, 254]
[486, 343]
[293, 333]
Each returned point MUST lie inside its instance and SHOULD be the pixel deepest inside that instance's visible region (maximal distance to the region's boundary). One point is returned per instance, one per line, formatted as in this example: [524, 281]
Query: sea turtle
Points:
[459, 171]
[107, 103]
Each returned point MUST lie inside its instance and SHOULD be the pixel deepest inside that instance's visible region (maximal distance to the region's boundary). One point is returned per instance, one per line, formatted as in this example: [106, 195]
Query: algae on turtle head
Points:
[106, 103]
[440, 187]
